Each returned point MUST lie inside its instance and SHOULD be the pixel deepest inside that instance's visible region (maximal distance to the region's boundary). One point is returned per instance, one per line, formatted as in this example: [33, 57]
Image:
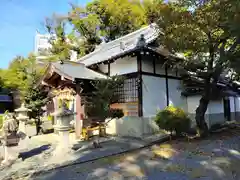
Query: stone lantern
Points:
[10, 138]
[22, 117]
[64, 116]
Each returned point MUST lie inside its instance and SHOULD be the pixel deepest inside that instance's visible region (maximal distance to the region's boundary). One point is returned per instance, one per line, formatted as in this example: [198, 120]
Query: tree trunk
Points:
[204, 101]
[200, 116]
[38, 125]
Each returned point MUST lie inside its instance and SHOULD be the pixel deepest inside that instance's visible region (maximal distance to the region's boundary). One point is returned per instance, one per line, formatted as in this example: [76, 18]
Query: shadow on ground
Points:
[34, 152]
[214, 158]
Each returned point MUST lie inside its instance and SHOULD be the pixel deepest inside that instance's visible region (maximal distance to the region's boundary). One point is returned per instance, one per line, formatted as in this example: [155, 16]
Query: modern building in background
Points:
[42, 47]
[42, 44]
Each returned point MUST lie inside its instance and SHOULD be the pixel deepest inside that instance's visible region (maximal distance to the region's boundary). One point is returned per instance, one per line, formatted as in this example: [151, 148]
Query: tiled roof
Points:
[107, 51]
[74, 70]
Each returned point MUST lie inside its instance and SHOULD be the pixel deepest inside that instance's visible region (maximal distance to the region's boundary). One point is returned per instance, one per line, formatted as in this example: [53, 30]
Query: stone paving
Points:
[213, 159]
[41, 153]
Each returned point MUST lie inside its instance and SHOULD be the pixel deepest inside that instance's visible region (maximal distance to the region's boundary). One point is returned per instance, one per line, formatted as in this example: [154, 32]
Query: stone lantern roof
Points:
[22, 109]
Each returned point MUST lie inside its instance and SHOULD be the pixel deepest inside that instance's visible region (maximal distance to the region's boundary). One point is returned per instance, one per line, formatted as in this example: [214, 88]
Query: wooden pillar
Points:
[109, 69]
[55, 106]
[167, 89]
[78, 120]
[140, 93]
[154, 64]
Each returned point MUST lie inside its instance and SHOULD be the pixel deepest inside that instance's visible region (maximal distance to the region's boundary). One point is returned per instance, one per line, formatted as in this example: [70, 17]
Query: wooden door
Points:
[227, 109]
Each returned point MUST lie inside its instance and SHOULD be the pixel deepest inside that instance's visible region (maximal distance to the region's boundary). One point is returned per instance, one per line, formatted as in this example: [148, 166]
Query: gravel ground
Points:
[41, 153]
[217, 158]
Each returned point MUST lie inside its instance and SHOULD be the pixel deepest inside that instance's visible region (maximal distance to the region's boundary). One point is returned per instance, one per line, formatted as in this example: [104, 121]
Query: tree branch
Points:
[233, 47]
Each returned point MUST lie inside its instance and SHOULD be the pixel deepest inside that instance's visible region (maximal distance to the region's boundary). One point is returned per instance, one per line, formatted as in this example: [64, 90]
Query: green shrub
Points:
[50, 118]
[1, 121]
[116, 113]
[173, 119]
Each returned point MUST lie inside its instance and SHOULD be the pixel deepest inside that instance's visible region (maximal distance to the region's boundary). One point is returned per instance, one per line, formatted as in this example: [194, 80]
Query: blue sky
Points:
[19, 21]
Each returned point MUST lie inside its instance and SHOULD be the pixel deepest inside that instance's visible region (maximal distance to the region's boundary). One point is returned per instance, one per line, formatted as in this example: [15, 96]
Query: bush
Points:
[173, 119]
[116, 113]
[1, 121]
[50, 118]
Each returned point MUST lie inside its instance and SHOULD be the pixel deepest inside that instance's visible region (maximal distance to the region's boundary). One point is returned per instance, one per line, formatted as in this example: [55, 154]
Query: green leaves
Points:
[207, 33]
[35, 99]
[104, 19]
[108, 18]
[173, 119]
[103, 96]
[21, 74]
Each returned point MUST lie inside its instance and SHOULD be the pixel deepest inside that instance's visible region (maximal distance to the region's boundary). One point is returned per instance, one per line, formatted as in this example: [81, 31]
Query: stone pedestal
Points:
[63, 126]
[10, 138]
[10, 155]
[22, 117]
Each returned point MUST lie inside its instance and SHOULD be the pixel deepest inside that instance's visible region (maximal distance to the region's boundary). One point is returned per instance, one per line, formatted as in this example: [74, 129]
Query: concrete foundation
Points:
[132, 126]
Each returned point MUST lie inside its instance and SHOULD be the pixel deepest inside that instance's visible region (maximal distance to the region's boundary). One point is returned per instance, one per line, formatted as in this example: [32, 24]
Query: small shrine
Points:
[68, 83]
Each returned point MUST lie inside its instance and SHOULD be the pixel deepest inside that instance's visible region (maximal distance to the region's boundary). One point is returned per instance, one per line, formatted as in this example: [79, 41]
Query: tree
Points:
[22, 75]
[103, 96]
[117, 18]
[207, 33]
[61, 48]
[106, 20]
[35, 97]
[15, 77]
[99, 20]
[86, 26]
[1, 80]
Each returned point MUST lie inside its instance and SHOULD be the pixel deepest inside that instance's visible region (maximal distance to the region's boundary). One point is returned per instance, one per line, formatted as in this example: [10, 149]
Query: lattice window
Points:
[129, 91]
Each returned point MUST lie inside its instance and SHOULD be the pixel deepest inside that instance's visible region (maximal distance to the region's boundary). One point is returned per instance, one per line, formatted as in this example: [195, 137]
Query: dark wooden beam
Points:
[140, 94]
[108, 68]
[167, 88]
[160, 75]
[154, 64]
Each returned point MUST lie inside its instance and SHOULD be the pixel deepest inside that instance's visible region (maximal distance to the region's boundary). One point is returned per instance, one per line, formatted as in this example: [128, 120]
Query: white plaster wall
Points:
[214, 113]
[237, 108]
[154, 95]
[192, 103]
[159, 68]
[172, 72]
[175, 97]
[232, 104]
[237, 104]
[147, 64]
[215, 107]
[123, 66]
[103, 68]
